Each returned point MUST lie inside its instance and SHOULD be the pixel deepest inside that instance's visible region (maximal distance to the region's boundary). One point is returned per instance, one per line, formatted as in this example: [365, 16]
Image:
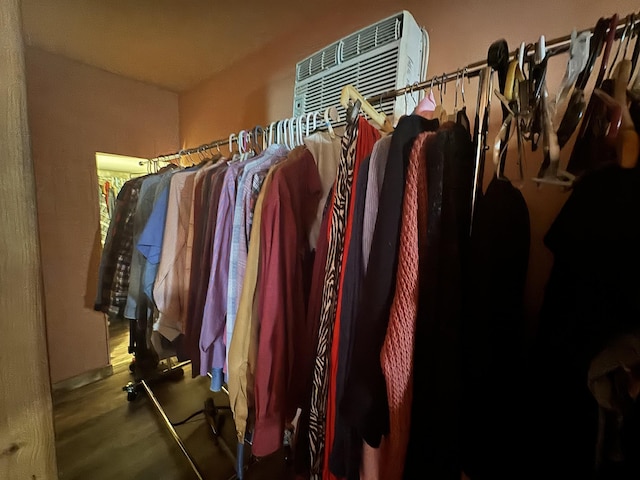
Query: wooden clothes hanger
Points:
[350, 95]
[627, 141]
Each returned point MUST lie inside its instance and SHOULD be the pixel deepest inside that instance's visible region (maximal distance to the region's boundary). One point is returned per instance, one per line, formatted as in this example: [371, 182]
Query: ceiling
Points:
[174, 44]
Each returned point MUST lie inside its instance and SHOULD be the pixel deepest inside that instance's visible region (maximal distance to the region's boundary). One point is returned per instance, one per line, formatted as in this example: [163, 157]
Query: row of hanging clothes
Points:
[568, 407]
[362, 294]
[584, 371]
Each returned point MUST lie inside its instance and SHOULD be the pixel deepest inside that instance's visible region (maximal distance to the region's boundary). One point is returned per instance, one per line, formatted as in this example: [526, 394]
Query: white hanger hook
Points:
[300, 131]
[288, 134]
[231, 137]
[271, 136]
[327, 120]
[239, 141]
[285, 129]
[293, 139]
[308, 130]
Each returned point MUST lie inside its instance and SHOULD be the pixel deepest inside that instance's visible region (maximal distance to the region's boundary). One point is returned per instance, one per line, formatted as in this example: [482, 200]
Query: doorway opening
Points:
[113, 172]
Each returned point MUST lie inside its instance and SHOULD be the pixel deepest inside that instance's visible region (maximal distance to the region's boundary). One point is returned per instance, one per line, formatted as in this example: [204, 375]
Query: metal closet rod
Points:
[553, 47]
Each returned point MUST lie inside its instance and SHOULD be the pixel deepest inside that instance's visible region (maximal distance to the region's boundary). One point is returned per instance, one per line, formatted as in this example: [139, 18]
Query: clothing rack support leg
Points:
[172, 430]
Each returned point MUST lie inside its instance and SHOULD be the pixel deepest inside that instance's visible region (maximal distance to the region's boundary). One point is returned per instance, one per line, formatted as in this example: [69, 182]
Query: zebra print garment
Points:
[342, 194]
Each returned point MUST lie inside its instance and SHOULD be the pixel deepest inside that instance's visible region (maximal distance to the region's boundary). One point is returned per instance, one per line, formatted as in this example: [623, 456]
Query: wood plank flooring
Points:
[102, 436]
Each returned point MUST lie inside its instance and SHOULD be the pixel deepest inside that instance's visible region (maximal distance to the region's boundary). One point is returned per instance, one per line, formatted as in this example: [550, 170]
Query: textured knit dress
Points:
[397, 351]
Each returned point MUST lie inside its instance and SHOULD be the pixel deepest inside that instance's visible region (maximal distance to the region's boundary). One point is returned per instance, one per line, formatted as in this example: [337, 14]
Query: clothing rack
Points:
[478, 69]
[554, 47]
[210, 411]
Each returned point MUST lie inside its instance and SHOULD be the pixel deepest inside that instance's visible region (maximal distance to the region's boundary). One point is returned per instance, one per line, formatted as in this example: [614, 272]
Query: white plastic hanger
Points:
[230, 144]
[330, 114]
[293, 138]
[241, 142]
[286, 133]
[313, 115]
[270, 139]
[300, 130]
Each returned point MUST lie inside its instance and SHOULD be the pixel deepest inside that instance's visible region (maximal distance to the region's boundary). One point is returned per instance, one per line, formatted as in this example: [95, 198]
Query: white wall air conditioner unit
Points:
[390, 54]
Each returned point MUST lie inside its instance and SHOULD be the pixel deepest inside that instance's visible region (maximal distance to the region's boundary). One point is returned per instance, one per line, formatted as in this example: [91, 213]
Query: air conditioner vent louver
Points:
[318, 62]
[371, 37]
[384, 56]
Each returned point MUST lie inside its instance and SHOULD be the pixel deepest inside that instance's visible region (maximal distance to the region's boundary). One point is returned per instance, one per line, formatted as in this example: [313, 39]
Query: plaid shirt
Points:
[115, 264]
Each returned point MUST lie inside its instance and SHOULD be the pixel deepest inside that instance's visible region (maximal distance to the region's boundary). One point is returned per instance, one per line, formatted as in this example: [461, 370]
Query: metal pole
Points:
[553, 47]
[172, 430]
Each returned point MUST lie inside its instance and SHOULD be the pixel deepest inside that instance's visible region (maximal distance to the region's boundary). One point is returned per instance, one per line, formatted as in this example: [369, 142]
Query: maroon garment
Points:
[286, 262]
[204, 225]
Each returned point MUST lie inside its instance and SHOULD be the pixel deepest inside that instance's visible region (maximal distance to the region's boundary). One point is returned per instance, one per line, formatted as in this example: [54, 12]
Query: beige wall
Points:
[258, 89]
[27, 443]
[74, 111]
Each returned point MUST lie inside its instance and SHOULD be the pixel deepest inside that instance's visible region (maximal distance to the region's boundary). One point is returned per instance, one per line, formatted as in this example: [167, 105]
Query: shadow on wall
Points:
[92, 272]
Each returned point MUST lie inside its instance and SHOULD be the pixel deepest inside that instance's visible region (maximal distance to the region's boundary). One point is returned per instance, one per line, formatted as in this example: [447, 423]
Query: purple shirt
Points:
[239, 241]
[212, 334]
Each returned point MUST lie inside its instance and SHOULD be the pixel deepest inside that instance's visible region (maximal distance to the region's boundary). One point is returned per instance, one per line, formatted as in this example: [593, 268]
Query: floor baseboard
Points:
[82, 379]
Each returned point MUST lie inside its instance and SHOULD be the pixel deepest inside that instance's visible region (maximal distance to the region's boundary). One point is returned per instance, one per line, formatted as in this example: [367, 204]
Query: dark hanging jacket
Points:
[433, 450]
[493, 328]
[364, 405]
[593, 295]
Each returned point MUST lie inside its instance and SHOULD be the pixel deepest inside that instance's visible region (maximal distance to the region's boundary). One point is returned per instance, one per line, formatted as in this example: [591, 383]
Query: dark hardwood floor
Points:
[102, 436]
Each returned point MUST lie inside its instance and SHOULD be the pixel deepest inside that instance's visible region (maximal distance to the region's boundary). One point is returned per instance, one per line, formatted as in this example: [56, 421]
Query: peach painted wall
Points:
[259, 88]
[74, 111]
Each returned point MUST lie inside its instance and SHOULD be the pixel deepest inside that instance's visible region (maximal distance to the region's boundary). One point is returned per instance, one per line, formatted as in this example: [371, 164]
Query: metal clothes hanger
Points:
[440, 112]
[453, 116]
